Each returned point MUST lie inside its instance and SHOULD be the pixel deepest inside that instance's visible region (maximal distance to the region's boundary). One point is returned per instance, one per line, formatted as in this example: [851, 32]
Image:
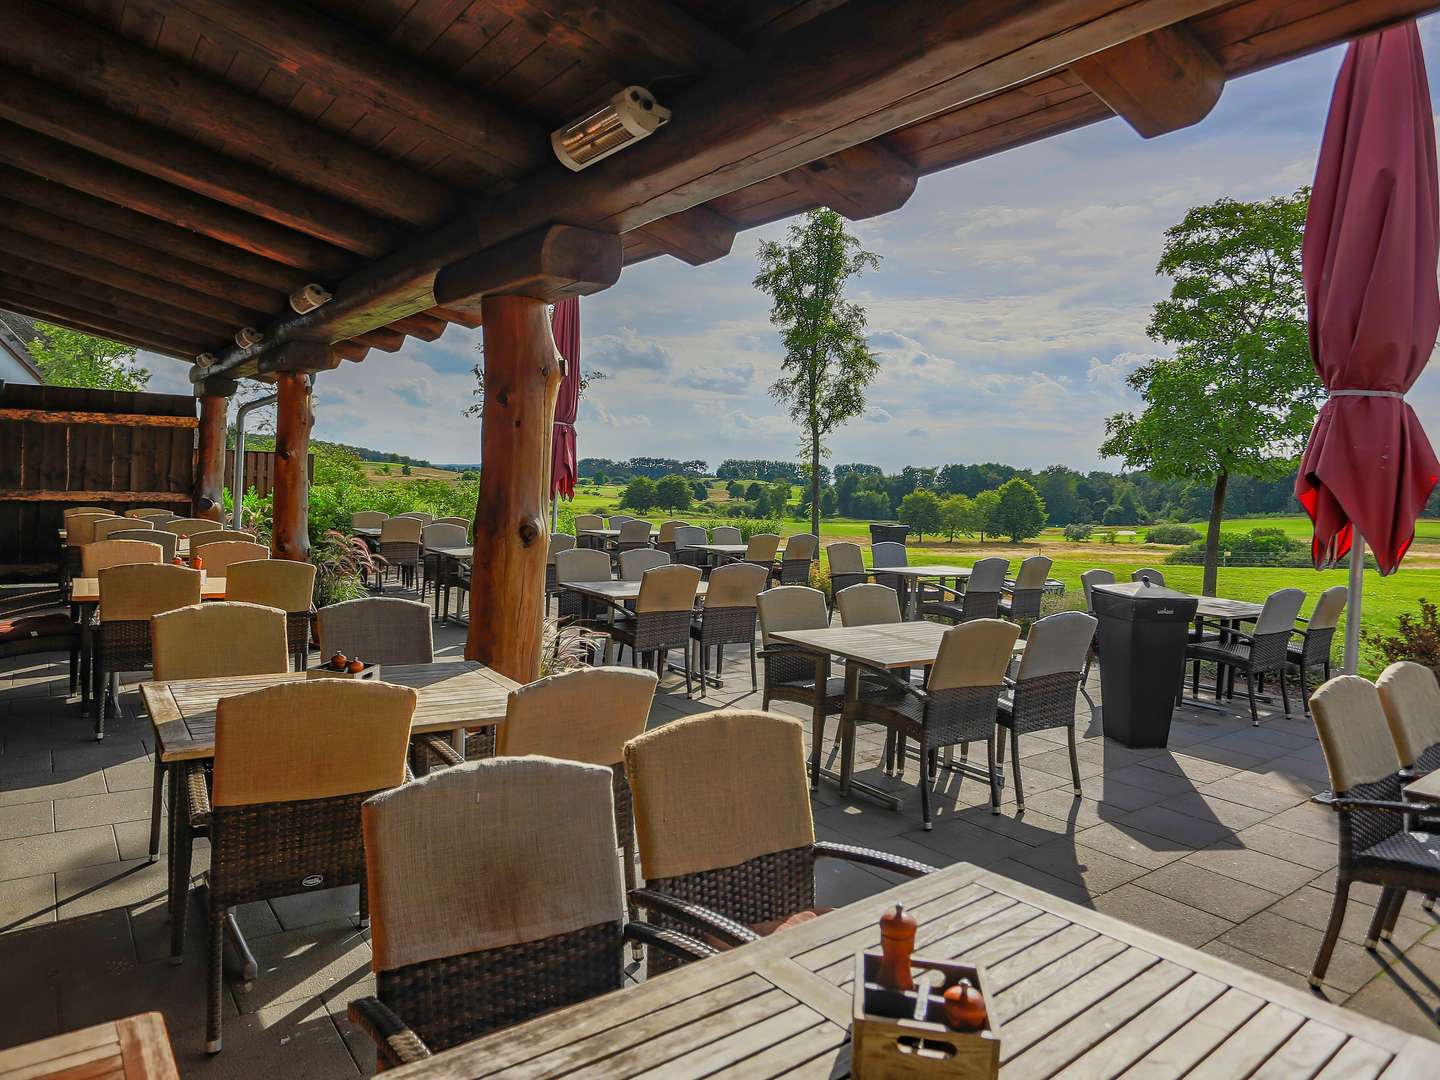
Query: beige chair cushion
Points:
[1033, 572]
[311, 740]
[1354, 735]
[71, 511]
[190, 526]
[167, 541]
[1329, 608]
[668, 588]
[140, 591]
[801, 546]
[1089, 579]
[588, 521]
[106, 553]
[1281, 609]
[487, 854]
[103, 527]
[559, 542]
[1150, 574]
[868, 605]
[210, 641]
[401, 530]
[987, 575]
[279, 583]
[633, 564]
[634, 531]
[762, 547]
[718, 789]
[667, 530]
[378, 630]
[888, 553]
[219, 557]
[1057, 643]
[418, 515]
[735, 585]
[1410, 697]
[367, 519]
[976, 653]
[146, 512]
[588, 714]
[80, 528]
[464, 523]
[687, 536]
[582, 564]
[727, 534]
[201, 540]
[440, 534]
[845, 558]
[791, 607]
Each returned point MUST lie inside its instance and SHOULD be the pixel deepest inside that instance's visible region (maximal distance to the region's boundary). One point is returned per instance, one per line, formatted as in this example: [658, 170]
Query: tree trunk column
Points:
[507, 578]
[290, 532]
[209, 498]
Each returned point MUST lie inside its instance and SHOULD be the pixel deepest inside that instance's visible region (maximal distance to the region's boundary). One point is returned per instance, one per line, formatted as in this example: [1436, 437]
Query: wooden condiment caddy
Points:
[369, 671]
[899, 1027]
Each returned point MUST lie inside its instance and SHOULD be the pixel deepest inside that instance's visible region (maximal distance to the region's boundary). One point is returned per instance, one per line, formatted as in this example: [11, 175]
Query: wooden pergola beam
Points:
[424, 327]
[351, 66]
[59, 114]
[57, 47]
[125, 187]
[160, 236]
[52, 310]
[861, 182]
[86, 294]
[627, 36]
[1159, 82]
[471, 320]
[548, 264]
[382, 338]
[695, 236]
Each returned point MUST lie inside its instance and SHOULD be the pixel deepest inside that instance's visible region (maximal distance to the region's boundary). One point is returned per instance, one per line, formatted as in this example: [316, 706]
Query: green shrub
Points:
[1172, 534]
[1416, 639]
[1261, 547]
[1078, 532]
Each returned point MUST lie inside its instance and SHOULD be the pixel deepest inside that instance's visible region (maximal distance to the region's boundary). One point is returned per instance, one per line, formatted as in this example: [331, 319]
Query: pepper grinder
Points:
[897, 942]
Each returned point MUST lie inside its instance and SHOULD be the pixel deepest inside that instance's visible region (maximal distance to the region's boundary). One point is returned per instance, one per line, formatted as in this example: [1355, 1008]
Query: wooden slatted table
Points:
[617, 592]
[1081, 995]
[1426, 789]
[135, 1048]
[916, 575]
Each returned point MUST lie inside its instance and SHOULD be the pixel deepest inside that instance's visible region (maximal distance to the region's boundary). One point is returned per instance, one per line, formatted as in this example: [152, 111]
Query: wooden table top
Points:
[86, 590]
[1426, 788]
[884, 645]
[1078, 993]
[366, 530]
[936, 570]
[617, 591]
[719, 549]
[599, 532]
[465, 552]
[1217, 607]
[452, 695]
[135, 1048]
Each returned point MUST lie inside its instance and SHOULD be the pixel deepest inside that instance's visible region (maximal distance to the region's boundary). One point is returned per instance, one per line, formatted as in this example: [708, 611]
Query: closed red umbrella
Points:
[564, 465]
[1371, 244]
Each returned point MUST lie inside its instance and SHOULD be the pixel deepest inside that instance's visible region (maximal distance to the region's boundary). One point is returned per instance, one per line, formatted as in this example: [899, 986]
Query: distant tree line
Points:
[604, 470]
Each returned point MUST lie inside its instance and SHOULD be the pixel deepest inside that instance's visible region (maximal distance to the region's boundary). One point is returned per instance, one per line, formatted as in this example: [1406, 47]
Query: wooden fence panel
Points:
[259, 470]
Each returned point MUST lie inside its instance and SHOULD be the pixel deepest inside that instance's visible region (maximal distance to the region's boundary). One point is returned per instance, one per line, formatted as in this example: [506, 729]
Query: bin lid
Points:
[1137, 601]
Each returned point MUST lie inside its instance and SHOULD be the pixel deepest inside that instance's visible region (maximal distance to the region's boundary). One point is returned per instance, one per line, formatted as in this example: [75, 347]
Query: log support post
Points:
[290, 531]
[523, 370]
[209, 498]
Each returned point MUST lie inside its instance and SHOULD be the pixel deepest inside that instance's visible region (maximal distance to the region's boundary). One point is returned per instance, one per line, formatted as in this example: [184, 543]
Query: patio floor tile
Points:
[1161, 914]
[1232, 900]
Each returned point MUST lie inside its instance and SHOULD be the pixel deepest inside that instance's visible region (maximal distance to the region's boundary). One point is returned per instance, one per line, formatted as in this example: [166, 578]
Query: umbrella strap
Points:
[1366, 393]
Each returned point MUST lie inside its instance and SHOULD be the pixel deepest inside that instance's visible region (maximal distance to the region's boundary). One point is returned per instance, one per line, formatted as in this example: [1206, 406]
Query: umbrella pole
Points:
[1353, 604]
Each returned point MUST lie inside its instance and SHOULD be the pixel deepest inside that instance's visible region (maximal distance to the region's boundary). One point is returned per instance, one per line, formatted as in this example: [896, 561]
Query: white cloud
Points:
[624, 350]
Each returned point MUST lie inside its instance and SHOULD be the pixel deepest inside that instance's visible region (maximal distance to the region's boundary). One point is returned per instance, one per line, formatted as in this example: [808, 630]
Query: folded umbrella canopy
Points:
[564, 466]
[1369, 261]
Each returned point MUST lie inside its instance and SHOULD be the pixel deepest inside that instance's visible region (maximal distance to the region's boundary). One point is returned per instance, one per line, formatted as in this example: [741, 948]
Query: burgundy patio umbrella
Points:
[564, 466]
[1369, 263]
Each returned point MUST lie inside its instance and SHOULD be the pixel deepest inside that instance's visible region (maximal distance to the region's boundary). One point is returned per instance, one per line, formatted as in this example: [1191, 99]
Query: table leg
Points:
[846, 779]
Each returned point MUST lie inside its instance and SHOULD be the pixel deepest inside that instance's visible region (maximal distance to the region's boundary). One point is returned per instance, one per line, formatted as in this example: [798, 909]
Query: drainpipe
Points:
[238, 487]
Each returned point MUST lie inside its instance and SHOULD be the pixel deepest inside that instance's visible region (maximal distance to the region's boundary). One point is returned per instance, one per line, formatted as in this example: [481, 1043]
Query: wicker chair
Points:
[583, 524]
[1313, 648]
[378, 630]
[888, 553]
[293, 764]
[420, 516]
[438, 534]
[727, 534]
[283, 584]
[190, 526]
[847, 567]
[580, 564]
[1150, 574]
[586, 715]
[79, 531]
[662, 617]
[1021, 601]
[665, 538]
[1411, 699]
[794, 674]
[168, 541]
[558, 542]
[1042, 694]
[464, 523]
[617, 521]
[129, 597]
[201, 540]
[684, 541]
[72, 511]
[761, 549]
[727, 842]
[1088, 580]
[636, 561]
[1265, 652]
[32, 635]
[367, 519]
[462, 945]
[801, 551]
[728, 617]
[103, 527]
[400, 548]
[634, 535]
[103, 554]
[868, 605]
[956, 707]
[981, 598]
[1376, 847]
[220, 556]
[148, 512]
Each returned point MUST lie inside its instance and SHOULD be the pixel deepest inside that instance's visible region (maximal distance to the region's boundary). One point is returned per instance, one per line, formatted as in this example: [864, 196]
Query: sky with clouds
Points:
[1010, 305]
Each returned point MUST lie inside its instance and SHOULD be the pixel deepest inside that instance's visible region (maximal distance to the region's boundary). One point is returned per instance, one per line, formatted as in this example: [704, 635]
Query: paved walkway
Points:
[1211, 842]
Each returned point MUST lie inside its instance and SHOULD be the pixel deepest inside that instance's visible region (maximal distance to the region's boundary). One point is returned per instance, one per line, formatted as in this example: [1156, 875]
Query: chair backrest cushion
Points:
[219, 556]
[1089, 579]
[690, 536]
[588, 521]
[1033, 572]
[633, 564]
[141, 590]
[378, 630]
[418, 515]
[80, 528]
[559, 542]
[71, 511]
[582, 564]
[727, 534]
[634, 531]
[801, 546]
[1329, 608]
[211, 641]
[868, 605]
[464, 523]
[401, 530]
[527, 852]
[975, 653]
[668, 588]
[791, 607]
[1280, 610]
[103, 527]
[1410, 697]
[313, 739]
[735, 585]
[1057, 643]
[201, 540]
[845, 558]
[718, 789]
[439, 534]
[888, 553]
[280, 583]
[987, 575]
[190, 526]
[1150, 574]
[667, 530]
[762, 547]
[103, 554]
[167, 541]
[367, 519]
[588, 714]
[1354, 735]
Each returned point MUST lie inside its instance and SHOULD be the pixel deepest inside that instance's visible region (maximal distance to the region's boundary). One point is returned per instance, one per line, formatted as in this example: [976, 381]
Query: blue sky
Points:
[1010, 305]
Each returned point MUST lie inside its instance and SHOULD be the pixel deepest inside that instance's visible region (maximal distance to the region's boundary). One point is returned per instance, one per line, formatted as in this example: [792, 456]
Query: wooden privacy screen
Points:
[61, 446]
[260, 470]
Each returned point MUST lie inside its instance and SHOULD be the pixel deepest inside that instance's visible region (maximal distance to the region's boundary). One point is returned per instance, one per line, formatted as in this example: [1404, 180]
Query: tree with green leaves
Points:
[69, 358]
[672, 493]
[1019, 510]
[828, 363]
[639, 495]
[921, 511]
[1239, 394]
[986, 507]
[957, 516]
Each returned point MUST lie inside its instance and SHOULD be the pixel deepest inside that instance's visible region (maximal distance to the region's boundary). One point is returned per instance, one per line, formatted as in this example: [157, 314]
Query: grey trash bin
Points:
[1143, 633]
[882, 532]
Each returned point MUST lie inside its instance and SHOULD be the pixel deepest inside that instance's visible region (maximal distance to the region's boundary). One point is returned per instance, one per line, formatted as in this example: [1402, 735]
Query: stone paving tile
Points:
[1311, 906]
[1292, 847]
[1107, 790]
[131, 775]
[295, 965]
[1209, 808]
[1096, 870]
[1185, 829]
[1163, 783]
[1406, 993]
[1232, 900]
[1309, 819]
[112, 885]
[1293, 945]
[26, 819]
[315, 908]
[1192, 768]
[26, 902]
[1133, 845]
[48, 852]
[293, 1039]
[1239, 790]
[1246, 864]
[1175, 920]
[1260, 966]
[46, 786]
[86, 810]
